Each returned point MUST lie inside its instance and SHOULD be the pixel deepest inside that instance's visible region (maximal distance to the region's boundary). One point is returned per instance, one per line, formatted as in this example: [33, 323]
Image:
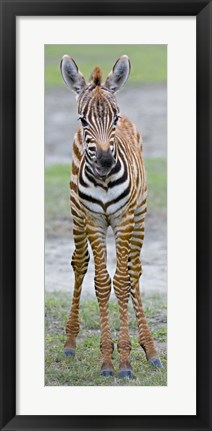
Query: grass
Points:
[156, 170]
[149, 62]
[83, 370]
[57, 191]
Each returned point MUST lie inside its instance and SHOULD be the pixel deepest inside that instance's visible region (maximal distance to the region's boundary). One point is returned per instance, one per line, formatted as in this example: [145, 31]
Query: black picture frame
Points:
[9, 10]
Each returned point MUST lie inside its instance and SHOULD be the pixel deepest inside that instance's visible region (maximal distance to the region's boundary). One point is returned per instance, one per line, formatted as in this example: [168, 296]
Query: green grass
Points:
[83, 370]
[57, 191]
[149, 62]
[156, 170]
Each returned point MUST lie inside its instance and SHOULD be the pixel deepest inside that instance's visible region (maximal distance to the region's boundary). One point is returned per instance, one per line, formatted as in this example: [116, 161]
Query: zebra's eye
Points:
[115, 120]
[84, 122]
[92, 151]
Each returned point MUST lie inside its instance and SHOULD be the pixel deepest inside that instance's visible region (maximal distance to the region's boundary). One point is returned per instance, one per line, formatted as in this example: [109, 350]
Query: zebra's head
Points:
[98, 110]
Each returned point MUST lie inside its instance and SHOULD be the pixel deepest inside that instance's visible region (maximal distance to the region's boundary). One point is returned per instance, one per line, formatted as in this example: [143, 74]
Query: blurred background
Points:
[144, 101]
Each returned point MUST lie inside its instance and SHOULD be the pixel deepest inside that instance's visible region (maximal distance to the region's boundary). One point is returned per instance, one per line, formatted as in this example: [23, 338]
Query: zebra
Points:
[107, 187]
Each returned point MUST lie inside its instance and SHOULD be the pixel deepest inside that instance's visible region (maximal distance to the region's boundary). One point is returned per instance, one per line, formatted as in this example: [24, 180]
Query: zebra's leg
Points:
[79, 263]
[97, 237]
[121, 283]
[135, 271]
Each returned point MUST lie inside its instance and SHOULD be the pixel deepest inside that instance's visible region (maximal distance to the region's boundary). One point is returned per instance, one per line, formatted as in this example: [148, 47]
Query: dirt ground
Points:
[59, 274]
[147, 107]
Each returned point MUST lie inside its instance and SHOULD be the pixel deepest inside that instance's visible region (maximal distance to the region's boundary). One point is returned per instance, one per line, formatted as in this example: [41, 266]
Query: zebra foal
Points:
[107, 187]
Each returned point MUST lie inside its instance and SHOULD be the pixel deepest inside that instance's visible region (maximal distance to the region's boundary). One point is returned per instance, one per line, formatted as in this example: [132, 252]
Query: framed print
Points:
[161, 54]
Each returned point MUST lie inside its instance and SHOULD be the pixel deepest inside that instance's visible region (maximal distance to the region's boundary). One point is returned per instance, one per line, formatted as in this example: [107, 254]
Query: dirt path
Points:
[58, 252]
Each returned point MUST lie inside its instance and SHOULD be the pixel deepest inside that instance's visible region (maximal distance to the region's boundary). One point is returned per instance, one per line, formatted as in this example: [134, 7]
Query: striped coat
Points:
[108, 187]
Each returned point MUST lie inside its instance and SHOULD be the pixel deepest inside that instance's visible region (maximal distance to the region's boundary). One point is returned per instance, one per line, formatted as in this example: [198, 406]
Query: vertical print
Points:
[105, 215]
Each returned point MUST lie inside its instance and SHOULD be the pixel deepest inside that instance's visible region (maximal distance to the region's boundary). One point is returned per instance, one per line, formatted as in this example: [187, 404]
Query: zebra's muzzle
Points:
[104, 162]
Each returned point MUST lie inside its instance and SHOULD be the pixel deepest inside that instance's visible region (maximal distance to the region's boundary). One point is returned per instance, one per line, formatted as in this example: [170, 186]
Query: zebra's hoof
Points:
[107, 372]
[155, 362]
[126, 372]
[68, 351]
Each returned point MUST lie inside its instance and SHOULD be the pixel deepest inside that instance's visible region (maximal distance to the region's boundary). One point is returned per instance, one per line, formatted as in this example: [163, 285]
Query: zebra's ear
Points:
[119, 75]
[71, 74]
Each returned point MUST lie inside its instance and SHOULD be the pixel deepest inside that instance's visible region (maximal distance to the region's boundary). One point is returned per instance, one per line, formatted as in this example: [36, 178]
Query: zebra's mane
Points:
[96, 76]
